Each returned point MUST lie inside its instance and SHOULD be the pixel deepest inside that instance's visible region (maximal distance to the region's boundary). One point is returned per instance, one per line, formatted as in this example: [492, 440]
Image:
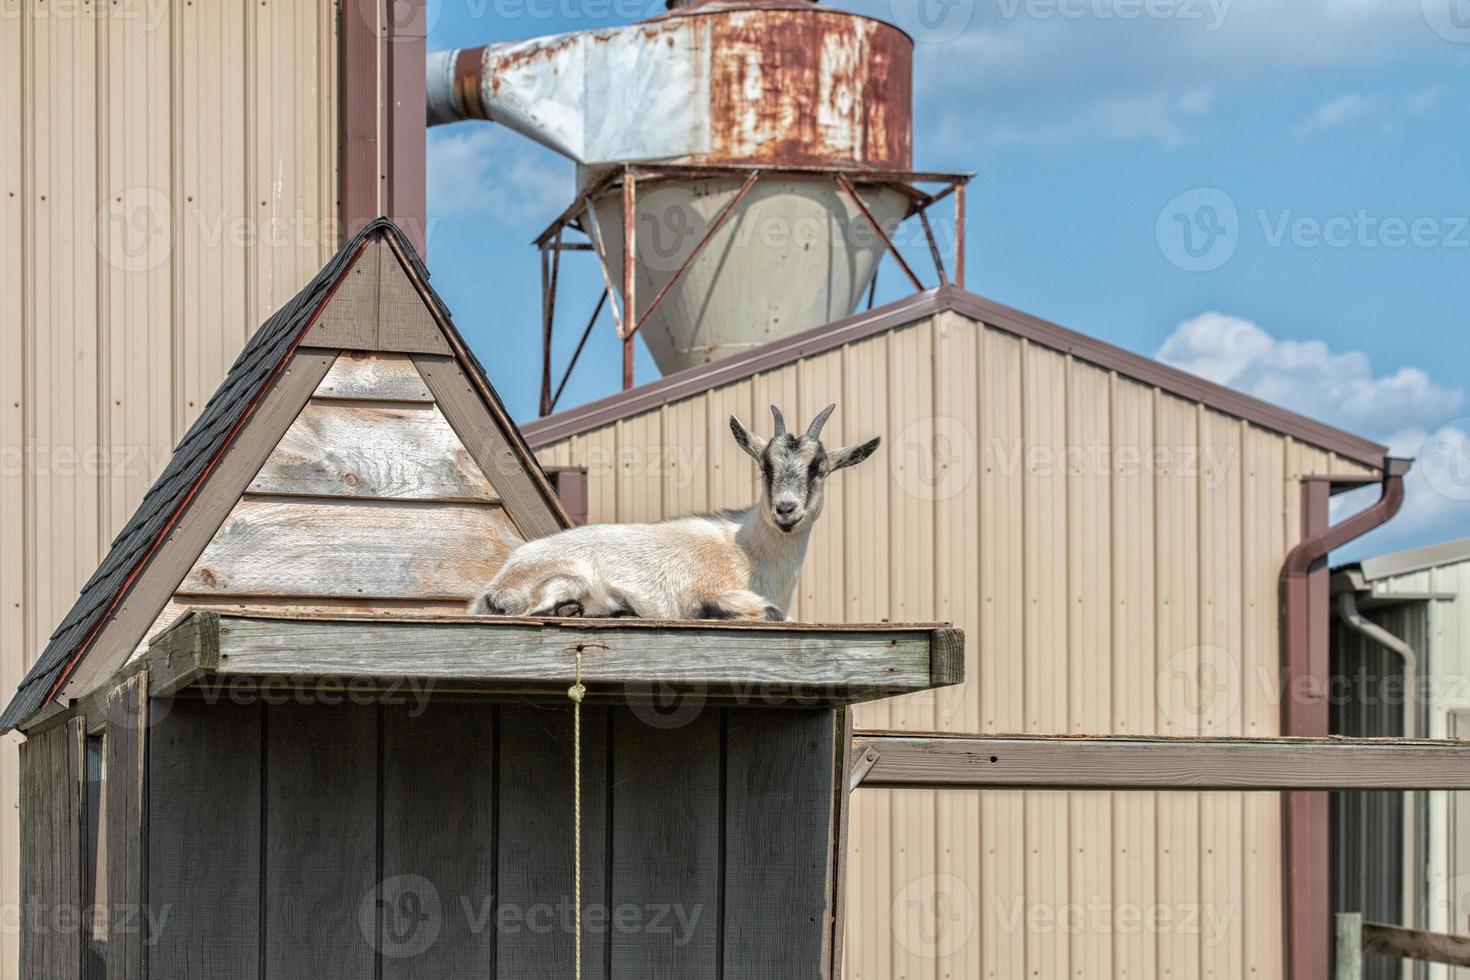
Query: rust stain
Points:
[808, 87]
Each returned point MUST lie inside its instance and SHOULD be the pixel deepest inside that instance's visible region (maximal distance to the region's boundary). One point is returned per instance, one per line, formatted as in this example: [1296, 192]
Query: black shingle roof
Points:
[191, 458]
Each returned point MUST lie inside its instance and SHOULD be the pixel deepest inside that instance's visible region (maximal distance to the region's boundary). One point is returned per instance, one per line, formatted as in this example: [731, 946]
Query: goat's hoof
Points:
[569, 610]
[775, 615]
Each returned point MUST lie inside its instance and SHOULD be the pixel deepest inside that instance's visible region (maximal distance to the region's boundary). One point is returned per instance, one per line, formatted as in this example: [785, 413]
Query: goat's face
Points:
[794, 468]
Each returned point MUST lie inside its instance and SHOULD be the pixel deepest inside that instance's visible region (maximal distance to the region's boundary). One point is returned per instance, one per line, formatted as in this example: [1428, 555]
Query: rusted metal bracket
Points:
[864, 758]
[846, 185]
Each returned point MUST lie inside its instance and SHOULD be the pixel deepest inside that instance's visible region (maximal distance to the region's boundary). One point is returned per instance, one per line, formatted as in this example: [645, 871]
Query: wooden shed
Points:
[1114, 536]
[264, 743]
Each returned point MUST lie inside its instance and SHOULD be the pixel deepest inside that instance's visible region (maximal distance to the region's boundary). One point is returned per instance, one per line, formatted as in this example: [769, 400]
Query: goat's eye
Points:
[815, 470]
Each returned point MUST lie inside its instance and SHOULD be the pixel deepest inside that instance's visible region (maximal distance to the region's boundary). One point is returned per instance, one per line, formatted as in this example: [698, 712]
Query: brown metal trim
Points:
[359, 95]
[571, 487]
[405, 120]
[842, 814]
[685, 384]
[1306, 823]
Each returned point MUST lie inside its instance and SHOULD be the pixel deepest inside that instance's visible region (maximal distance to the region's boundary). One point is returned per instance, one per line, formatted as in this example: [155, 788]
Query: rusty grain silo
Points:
[761, 131]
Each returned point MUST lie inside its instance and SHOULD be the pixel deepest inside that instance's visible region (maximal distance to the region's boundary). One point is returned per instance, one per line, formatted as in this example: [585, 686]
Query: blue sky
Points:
[1317, 153]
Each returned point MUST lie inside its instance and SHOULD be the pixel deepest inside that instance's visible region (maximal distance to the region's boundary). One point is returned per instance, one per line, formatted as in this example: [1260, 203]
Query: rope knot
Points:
[576, 692]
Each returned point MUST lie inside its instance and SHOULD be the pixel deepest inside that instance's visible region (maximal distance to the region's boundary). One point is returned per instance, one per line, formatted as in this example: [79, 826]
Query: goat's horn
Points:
[780, 421]
[815, 429]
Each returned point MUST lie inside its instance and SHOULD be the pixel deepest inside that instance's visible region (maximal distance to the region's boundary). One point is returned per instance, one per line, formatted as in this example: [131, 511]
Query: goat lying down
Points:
[736, 564]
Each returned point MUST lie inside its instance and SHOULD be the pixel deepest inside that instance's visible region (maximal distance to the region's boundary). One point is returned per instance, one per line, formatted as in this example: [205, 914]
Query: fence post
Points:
[1349, 946]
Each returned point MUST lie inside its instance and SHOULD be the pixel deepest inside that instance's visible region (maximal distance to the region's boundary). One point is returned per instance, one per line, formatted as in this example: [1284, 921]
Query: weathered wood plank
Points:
[124, 746]
[369, 376]
[438, 844]
[404, 320]
[666, 848]
[1057, 762]
[779, 794]
[349, 321]
[528, 500]
[535, 860]
[358, 549]
[760, 667]
[51, 838]
[1416, 944]
[204, 840]
[373, 451]
[321, 840]
[160, 576]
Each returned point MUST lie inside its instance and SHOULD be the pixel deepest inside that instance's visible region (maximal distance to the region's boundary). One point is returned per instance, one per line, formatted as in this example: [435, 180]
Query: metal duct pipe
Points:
[1352, 617]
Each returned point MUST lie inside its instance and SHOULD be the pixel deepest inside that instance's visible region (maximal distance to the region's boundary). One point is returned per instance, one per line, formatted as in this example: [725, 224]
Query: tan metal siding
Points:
[1112, 553]
[141, 148]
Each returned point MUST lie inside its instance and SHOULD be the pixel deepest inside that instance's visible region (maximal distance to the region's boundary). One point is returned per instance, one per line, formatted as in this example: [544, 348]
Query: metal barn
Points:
[1112, 535]
[1403, 633]
[257, 746]
[173, 174]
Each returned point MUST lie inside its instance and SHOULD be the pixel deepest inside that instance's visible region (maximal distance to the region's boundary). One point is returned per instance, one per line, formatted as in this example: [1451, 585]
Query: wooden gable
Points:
[376, 473]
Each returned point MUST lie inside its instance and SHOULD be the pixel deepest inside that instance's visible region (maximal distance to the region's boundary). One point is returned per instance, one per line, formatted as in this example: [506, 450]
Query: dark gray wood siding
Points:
[433, 838]
[51, 807]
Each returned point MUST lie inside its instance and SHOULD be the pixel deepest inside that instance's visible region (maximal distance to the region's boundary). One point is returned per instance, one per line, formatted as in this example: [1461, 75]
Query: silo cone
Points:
[795, 253]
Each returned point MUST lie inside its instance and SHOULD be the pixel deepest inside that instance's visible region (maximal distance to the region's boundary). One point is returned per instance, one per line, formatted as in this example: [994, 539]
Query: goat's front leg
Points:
[737, 604]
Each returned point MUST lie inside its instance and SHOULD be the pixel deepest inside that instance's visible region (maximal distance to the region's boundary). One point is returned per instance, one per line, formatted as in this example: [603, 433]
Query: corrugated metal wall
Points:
[1446, 651]
[169, 178]
[1112, 552]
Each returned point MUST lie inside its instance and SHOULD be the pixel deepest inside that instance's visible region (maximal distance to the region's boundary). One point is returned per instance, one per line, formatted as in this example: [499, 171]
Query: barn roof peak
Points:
[363, 353]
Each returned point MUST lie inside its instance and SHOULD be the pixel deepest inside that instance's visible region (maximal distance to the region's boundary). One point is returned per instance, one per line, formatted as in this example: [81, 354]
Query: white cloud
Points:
[1399, 408]
[1331, 114]
[1386, 114]
[483, 169]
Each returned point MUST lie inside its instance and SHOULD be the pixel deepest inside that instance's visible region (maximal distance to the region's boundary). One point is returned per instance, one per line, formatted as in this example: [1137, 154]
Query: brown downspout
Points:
[1304, 708]
[381, 123]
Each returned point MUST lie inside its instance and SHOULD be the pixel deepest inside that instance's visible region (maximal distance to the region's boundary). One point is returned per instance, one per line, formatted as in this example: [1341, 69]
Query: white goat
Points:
[737, 564]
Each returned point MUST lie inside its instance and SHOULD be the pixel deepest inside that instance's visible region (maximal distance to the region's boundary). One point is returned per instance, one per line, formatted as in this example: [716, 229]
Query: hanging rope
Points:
[576, 693]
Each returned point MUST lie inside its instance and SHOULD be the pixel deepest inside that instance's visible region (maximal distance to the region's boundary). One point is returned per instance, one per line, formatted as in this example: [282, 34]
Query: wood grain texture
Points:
[353, 549]
[204, 836]
[1188, 764]
[125, 748]
[349, 321]
[438, 841]
[51, 874]
[160, 575]
[321, 840]
[762, 666]
[404, 320]
[779, 793]
[535, 859]
[528, 499]
[666, 848]
[394, 451]
[373, 376]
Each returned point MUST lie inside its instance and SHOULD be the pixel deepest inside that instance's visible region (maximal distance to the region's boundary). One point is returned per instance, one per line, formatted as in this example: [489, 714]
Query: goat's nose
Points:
[785, 509]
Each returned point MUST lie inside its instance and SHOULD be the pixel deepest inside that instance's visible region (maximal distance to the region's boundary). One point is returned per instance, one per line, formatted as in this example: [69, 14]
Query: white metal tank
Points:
[710, 91]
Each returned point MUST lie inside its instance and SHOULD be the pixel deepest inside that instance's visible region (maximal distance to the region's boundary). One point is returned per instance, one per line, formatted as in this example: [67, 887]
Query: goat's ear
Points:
[747, 440]
[853, 455]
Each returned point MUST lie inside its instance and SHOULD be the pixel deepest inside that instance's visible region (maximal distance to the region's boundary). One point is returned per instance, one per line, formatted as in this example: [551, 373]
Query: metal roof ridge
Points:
[950, 298]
